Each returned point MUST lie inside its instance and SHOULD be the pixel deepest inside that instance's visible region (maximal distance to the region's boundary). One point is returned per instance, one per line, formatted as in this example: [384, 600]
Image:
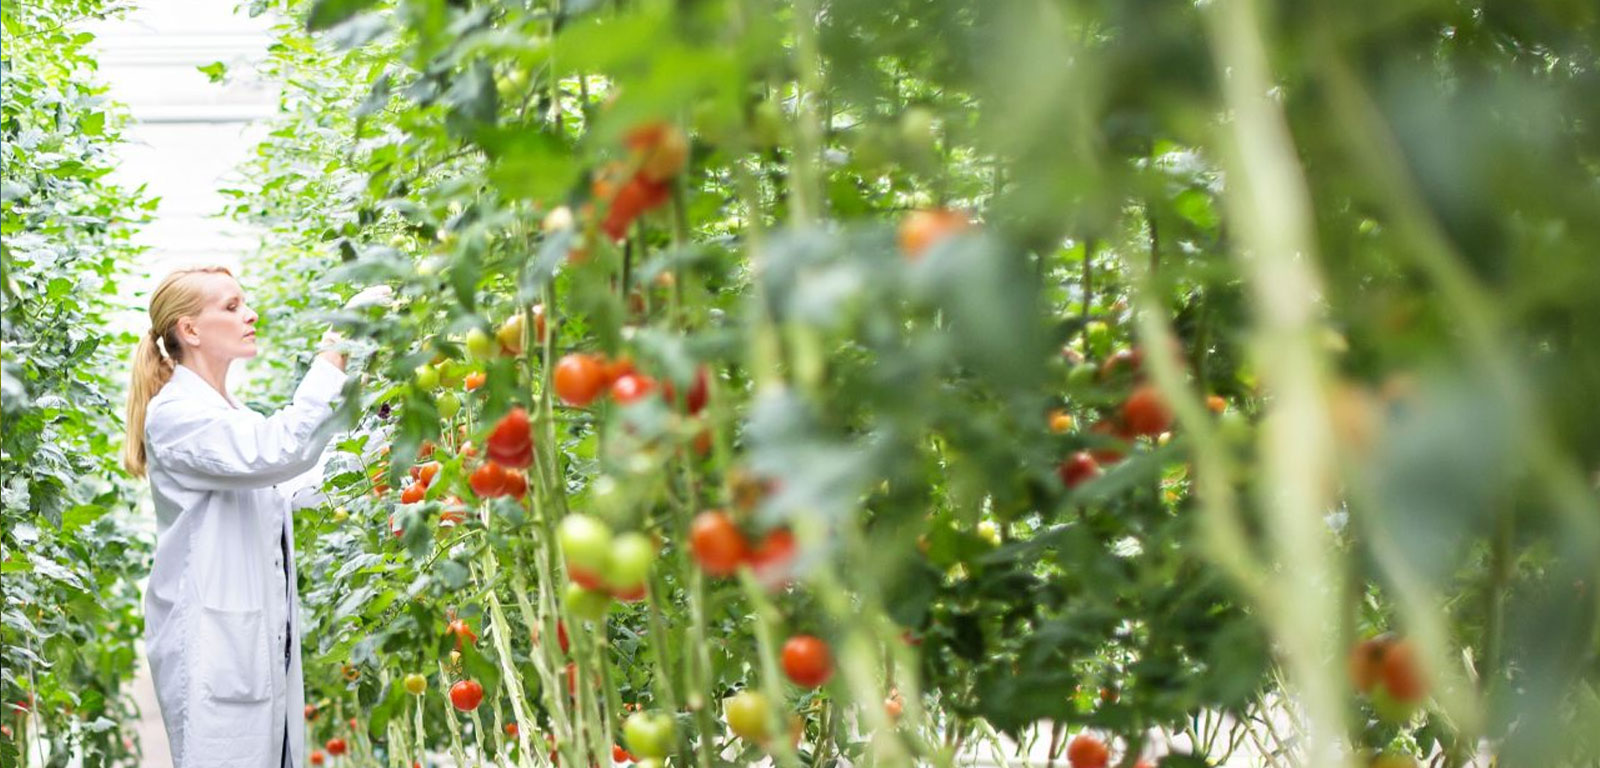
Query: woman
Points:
[220, 632]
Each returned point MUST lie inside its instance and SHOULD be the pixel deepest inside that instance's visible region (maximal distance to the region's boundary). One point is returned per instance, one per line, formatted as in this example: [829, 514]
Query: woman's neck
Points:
[213, 370]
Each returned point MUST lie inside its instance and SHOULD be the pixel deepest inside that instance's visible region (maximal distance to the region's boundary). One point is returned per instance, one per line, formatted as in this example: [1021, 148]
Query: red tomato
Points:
[660, 148]
[397, 531]
[579, 378]
[466, 694]
[1086, 751]
[462, 631]
[476, 379]
[427, 472]
[1079, 468]
[718, 545]
[631, 387]
[511, 730]
[317, 757]
[1146, 413]
[516, 484]
[585, 578]
[631, 594]
[699, 390]
[1109, 454]
[620, 755]
[616, 369]
[335, 746]
[638, 195]
[1216, 403]
[538, 323]
[311, 711]
[772, 558]
[488, 480]
[413, 493]
[806, 661]
[511, 442]
[1131, 360]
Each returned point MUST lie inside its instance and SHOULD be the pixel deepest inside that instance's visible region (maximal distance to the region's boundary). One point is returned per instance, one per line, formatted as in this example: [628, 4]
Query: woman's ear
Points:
[187, 333]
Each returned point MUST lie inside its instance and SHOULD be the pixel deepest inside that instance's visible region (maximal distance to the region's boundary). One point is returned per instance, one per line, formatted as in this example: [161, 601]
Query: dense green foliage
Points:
[70, 557]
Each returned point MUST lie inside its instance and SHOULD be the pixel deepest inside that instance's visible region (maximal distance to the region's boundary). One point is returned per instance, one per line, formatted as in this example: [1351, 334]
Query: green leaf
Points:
[327, 13]
[215, 71]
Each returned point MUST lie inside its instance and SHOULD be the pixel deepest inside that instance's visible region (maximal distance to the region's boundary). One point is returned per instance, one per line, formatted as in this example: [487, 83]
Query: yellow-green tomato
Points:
[449, 404]
[989, 532]
[480, 345]
[590, 604]
[649, 734]
[631, 555]
[340, 514]
[416, 684]
[426, 377]
[586, 543]
[748, 713]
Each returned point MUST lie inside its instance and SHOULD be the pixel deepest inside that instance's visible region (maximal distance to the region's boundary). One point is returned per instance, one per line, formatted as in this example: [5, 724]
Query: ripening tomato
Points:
[335, 746]
[806, 660]
[1366, 662]
[718, 545]
[1086, 751]
[1401, 673]
[748, 713]
[1145, 412]
[1060, 421]
[466, 694]
[631, 387]
[317, 758]
[1216, 403]
[1123, 360]
[488, 480]
[509, 334]
[579, 378]
[413, 493]
[922, 230]
[1078, 469]
[894, 706]
[480, 346]
[475, 379]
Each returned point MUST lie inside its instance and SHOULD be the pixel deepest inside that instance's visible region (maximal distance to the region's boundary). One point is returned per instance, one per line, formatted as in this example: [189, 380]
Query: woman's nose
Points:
[250, 317]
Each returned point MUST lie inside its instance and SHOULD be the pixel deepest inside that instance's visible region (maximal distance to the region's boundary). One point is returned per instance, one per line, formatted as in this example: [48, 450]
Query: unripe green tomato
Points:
[748, 713]
[1390, 709]
[340, 514]
[1097, 336]
[426, 377]
[631, 556]
[586, 543]
[583, 603]
[766, 125]
[649, 734]
[1081, 377]
[989, 532]
[416, 684]
[449, 404]
[871, 152]
[451, 373]
[480, 345]
[917, 126]
[650, 762]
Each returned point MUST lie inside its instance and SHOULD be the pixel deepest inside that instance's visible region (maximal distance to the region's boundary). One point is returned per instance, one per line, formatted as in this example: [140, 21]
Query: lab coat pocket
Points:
[232, 647]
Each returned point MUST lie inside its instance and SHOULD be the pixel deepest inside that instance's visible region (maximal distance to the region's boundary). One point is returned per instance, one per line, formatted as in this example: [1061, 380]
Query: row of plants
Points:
[856, 383]
[71, 554]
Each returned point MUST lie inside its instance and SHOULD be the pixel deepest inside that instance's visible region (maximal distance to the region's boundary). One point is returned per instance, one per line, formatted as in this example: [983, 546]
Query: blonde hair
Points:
[180, 294]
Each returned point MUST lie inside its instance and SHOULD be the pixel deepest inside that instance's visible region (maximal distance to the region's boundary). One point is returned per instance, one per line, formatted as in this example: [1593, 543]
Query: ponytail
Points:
[158, 353]
[151, 371]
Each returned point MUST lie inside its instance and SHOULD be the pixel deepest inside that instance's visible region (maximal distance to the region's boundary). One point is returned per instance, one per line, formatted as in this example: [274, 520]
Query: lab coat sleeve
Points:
[212, 449]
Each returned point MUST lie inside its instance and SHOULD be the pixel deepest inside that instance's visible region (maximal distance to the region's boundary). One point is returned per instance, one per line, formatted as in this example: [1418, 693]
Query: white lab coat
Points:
[215, 608]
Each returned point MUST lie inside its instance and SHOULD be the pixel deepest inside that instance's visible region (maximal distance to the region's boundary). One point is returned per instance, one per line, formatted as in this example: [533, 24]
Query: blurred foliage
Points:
[70, 557]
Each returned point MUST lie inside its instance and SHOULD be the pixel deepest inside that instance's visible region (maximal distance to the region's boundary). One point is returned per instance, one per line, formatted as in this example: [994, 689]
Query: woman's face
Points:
[225, 328]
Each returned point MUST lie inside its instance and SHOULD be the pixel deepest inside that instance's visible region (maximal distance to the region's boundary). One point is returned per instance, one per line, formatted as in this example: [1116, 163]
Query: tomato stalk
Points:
[771, 679]
[450, 717]
[502, 643]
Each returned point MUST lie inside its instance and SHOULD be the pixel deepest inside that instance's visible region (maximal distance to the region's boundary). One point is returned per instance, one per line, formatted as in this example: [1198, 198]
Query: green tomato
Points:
[917, 127]
[586, 542]
[650, 762]
[449, 404]
[341, 514]
[1097, 336]
[748, 714]
[1389, 709]
[480, 345]
[416, 684]
[649, 734]
[631, 556]
[766, 125]
[583, 603]
[451, 373]
[989, 532]
[426, 377]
